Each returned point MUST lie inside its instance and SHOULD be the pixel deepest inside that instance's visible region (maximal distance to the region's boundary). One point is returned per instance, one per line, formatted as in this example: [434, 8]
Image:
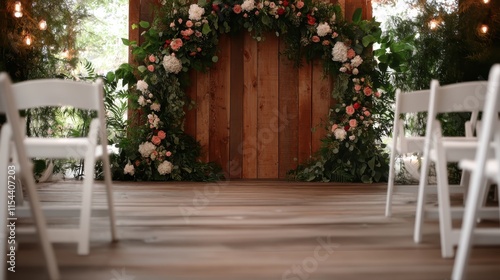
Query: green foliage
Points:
[184, 36]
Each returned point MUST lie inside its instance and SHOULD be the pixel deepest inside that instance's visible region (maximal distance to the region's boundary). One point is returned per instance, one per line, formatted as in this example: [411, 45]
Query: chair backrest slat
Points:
[57, 93]
[459, 97]
[413, 101]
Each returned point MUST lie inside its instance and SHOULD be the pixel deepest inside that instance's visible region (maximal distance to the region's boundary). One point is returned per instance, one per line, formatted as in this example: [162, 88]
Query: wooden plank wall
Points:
[256, 114]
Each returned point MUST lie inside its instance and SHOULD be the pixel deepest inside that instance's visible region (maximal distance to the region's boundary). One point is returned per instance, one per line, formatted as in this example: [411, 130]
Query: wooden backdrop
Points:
[256, 114]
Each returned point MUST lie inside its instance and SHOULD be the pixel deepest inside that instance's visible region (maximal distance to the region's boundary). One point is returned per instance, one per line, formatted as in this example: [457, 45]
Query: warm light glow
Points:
[18, 9]
[433, 24]
[42, 25]
[28, 40]
[483, 28]
[486, 1]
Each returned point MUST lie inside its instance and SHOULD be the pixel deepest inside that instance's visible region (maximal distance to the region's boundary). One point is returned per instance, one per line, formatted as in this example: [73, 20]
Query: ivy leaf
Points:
[215, 59]
[266, 20]
[142, 68]
[144, 24]
[206, 29]
[368, 39]
[356, 17]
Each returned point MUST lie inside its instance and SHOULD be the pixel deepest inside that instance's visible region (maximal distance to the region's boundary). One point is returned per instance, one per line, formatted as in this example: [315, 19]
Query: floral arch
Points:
[184, 36]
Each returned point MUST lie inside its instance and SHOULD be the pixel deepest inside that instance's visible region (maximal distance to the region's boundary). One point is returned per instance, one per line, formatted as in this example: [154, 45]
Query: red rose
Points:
[215, 8]
[346, 128]
[311, 20]
[281, 11]
[356, 105]
[285, 3]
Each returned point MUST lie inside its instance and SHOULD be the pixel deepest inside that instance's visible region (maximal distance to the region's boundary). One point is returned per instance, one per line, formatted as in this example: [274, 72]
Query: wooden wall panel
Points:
[220, 80]
[267, 119]
[305, 112]
[288, 114]
[250, 89]
[255, 114]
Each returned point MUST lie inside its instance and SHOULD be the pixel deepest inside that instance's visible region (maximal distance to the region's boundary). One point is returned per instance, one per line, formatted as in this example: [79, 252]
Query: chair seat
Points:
[491, 167]
[60, 147]
[457, 149]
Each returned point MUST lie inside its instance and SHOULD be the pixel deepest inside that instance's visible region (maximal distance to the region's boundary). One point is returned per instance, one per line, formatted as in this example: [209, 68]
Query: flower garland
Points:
[184, 36]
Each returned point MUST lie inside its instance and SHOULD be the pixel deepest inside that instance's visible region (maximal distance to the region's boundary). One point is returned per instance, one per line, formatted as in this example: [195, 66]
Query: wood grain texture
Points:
[250, 230]
[204, 91]
[250, 89]
[288, 114]
[305, 112]
[267, 118]
[236, 108]
[220, 98]
[190, 109]
[320, 96]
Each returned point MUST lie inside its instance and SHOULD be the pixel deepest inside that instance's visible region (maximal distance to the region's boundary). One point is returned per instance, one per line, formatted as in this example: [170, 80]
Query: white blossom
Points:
[153, 120]
[195, 12]
[172, 64]
[129, 169]
[323, 29]
[165, 167]
[355, 71]
[339, 52]
[340, 134]
[142, 86]
[141, 100]
[356, 61]
[155, 107]
[248, 5]
[146, 148]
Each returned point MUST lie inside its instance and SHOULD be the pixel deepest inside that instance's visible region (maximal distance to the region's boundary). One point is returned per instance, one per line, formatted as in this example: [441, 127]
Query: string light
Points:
[433, 24]
[18, 9]
[486, 1]
[483, 28]
[42, 25]
[28, 40]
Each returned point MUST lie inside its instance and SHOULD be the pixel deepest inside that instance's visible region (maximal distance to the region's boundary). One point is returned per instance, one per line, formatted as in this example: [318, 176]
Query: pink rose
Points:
[256, 13]
[335, 126]
[168, 153]
[162, 134]
[198, 49]
[176, 44]
[326, 43]
[349, 110]
[377, 94]
[151, 68]
[299, 4]
[179, 20]
[245, 15]
[335, 35]
[189, 23]
[156, 140]
[367, 91]
[353, 123]
[188, 32]
[351, 53]
[357, 87]
[315, 39]
[367, 113]
[198, 34]
[237, 9]
[152, 58]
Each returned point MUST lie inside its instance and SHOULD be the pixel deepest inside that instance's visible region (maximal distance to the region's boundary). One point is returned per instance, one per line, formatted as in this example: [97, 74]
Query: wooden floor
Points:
[239, 230]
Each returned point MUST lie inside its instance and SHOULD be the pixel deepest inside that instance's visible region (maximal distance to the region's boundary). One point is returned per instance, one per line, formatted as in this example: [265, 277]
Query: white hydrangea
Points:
[165, 167]
[356, 61]
[323, 29]
[142, 86]
[129, 169]
[248, 5]
[141, 101]
[146, 148]
[195, 12]
[340, 134]
[339, 52]
[155, 107]
[172, 64]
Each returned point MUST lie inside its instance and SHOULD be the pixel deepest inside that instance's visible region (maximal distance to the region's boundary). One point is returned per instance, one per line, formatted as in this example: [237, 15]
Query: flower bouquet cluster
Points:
[184, 36]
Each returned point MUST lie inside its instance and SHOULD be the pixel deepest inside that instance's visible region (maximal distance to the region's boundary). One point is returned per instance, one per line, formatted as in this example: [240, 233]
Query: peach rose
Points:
[299, 4]
[351, 53]
[161, 134]
[156, 140]
[152, 58]
[367, 91]
[334, 126]
[349, 110]
[353, 123]
[237, 9]
[357, 87]
[189, 23]
[176, 44]
[315, 39]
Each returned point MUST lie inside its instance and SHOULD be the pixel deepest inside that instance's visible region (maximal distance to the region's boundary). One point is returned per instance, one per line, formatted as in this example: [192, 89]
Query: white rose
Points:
[165, 167]
[129, 169]
[248, 5]
[323, 29]
[339, 52]
[141, 100]
[142, 86]
[195, 12]
[146, 148]
[155, 107]
[356, 61]
[339, 134]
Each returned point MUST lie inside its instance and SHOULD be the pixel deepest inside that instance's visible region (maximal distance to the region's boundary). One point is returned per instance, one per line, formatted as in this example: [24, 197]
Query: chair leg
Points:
[468, 224]
[390, 187]
[419, 215]
[111, 208]
[445, 227]
[86, 209]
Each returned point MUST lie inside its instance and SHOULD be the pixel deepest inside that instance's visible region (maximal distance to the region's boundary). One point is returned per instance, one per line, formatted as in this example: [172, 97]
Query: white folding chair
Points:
[12, 135]
[409, 103]
[459, 97]
[81, 95]
[406, 103]
[482, 168]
